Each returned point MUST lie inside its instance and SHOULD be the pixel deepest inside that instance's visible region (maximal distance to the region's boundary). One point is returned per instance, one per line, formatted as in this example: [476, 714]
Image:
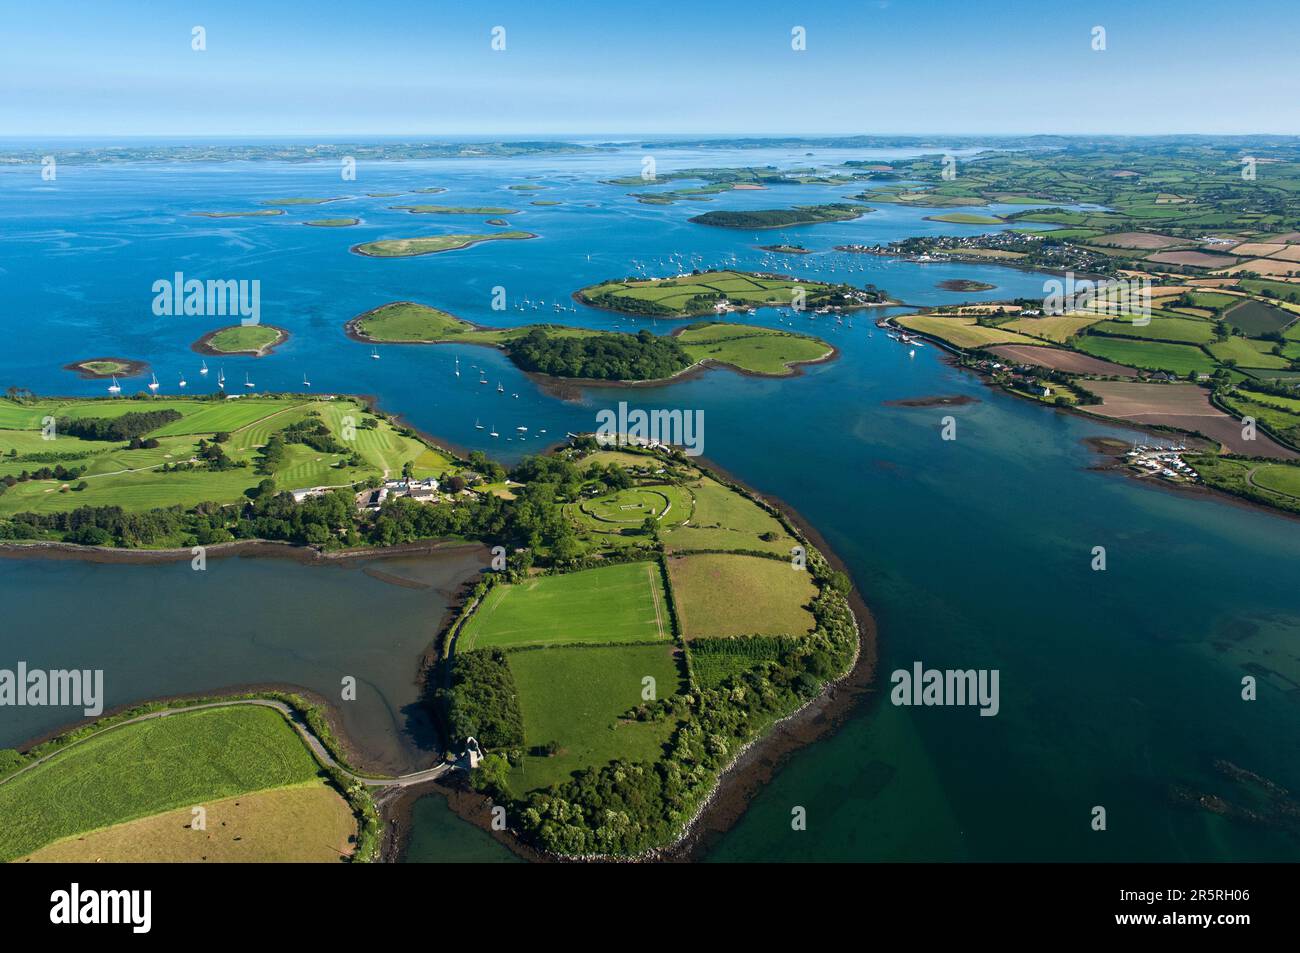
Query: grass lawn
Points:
[305, 823]
[725, 595]
[408, 321]
[574, 696]
[753, 349]
[623, 603]
[724, 519]
[430, 245]
[151, 766]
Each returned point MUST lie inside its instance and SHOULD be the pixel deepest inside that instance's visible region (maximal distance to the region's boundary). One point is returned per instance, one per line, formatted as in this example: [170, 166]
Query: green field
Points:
[1055, 328]
[431, 245]
[1248, 353]
[727, 595]
[1270, 483]
[1256, 319]
[623, 603]
[134, 480]
[961, 332]
[691, 295]
[575, 697]
[757, 350]
[1178, 330]
[966, 218]
[1177, 359]
[144, 768]
[726, 520]
[252, 339]
[406, 321]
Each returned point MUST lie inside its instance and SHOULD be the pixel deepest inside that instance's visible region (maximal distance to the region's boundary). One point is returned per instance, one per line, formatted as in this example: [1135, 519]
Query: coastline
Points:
[755, 763]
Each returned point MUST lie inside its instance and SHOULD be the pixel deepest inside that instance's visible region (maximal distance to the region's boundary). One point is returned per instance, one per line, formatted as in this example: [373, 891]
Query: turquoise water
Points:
[1116, 687]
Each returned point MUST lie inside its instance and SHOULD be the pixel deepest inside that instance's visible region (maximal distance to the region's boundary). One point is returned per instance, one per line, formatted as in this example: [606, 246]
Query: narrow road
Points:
[318, 749]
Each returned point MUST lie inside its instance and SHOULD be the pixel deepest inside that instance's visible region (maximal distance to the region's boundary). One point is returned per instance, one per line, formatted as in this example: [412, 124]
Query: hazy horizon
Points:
[896, 67]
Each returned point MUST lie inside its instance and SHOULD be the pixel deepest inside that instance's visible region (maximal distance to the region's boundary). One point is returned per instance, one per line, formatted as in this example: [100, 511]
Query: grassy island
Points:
[782, 217]
[559, 351]
[708, 292]
[333, 222]
[304, 201]
[258, 340]
[431, 245]
[101, 368]
[258, 213]
[453, 209]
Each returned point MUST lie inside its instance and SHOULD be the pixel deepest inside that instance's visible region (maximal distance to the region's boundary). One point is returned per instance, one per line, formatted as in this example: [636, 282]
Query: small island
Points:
[500, 222]
[453, 210]
[304, 201]
[258, 340]
[600, 356]
[965, 284]
[786, 249]
[718, 292]
[782, 217]
[430, 245]
[99, 368]
[257, 213]
[334, 222]
[526, 187]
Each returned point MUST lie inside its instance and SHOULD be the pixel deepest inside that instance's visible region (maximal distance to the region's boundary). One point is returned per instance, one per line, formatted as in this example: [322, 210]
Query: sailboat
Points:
[477, 425]
[221, 378]
[153, 385]
[247, 382]
[305, 382]
[115, 387]
[374, 353]
[458, 367]
[183, 382]
[493, 432]
[204, 369]
[500, 389]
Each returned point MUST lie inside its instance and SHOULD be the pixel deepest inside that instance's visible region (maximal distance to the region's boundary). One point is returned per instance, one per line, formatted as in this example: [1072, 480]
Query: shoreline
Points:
[203, 345]
[755, 764]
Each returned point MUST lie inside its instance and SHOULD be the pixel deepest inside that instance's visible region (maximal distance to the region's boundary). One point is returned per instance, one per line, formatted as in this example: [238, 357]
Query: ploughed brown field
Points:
[1185, 406]
[1197, 259]
[1061, 360]
[1137, 240]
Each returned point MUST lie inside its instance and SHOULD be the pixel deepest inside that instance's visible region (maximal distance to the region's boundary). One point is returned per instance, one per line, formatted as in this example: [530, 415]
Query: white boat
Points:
[477, 425]
[374, 353]
[153, 385]
[493, 432]
[522, 429]
[204, 369]
[183, 381]
[458, 367]
[221, 379]
[305, 382]
[500, 389]
[115, 387]
[247, 382]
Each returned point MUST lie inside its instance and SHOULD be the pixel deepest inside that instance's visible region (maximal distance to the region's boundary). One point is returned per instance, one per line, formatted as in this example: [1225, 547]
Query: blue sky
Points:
[573, 67]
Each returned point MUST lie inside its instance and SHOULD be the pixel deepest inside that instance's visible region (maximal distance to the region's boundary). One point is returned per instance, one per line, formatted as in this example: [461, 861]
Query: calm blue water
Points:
[1116, 687]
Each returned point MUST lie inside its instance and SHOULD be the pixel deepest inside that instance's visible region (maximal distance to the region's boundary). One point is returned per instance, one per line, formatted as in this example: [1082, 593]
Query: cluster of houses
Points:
[1164, 462]
[422, 491]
